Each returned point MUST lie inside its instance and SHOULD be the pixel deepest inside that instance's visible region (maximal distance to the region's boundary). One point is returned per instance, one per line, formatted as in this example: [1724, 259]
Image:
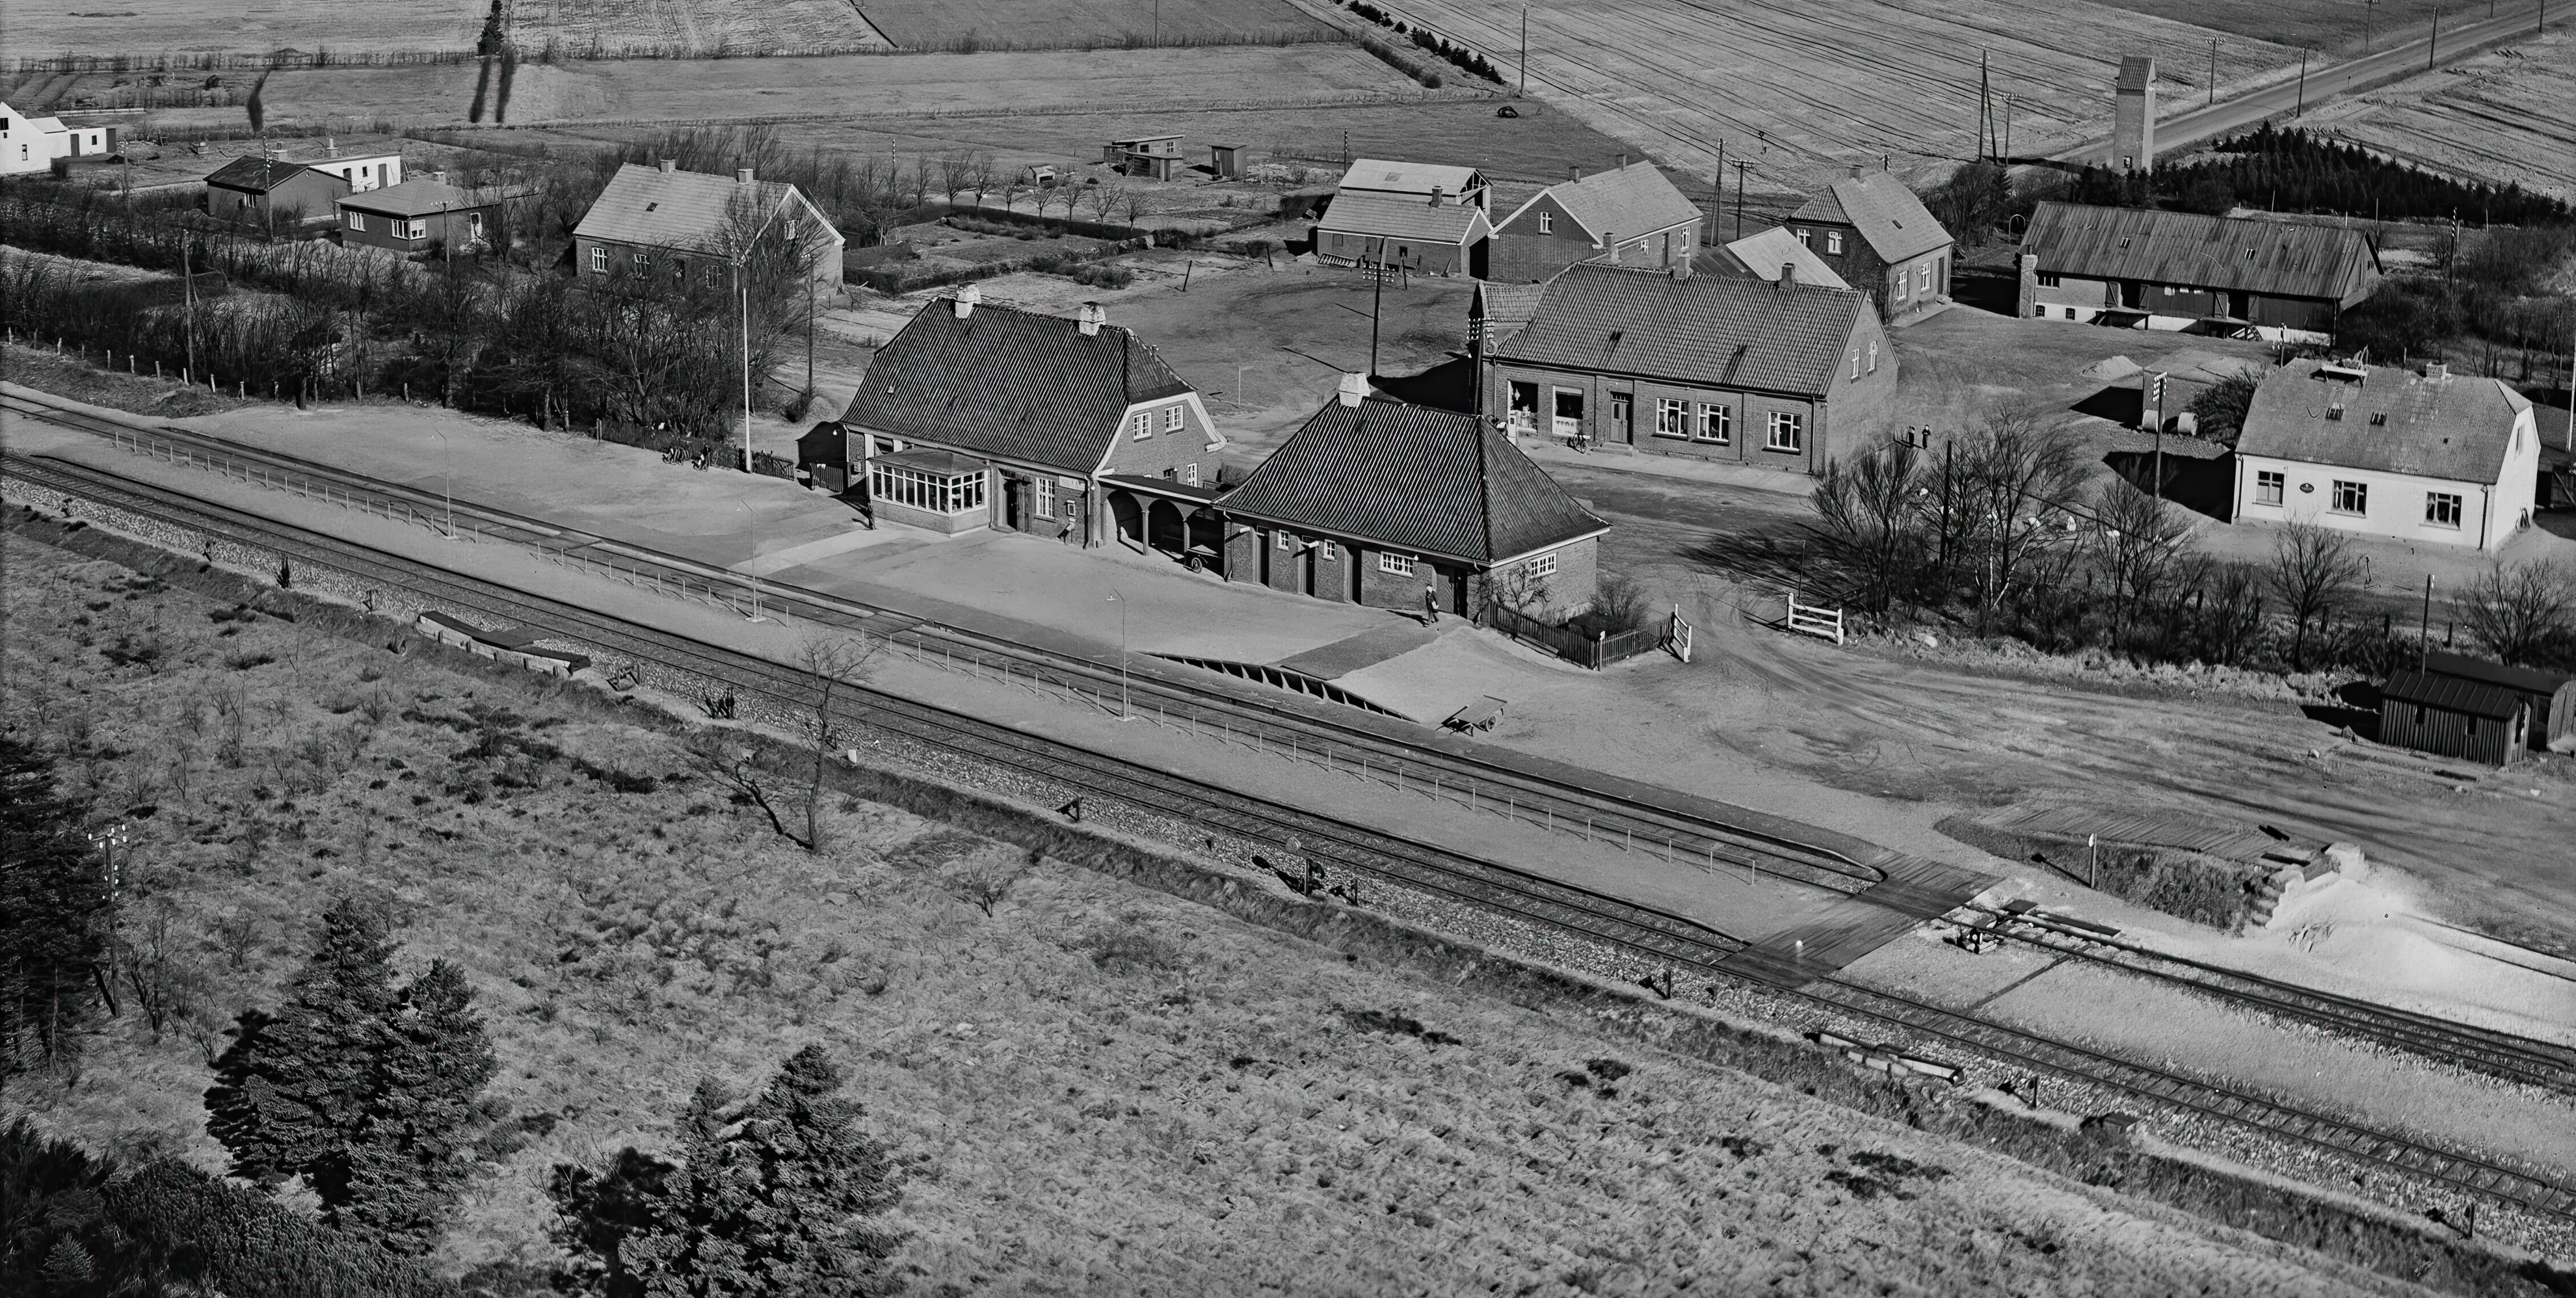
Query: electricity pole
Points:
[2213, 72]
[1377, 299]
[1525, 44]
[2433, 38]
[1740, 165]
[2302, 107]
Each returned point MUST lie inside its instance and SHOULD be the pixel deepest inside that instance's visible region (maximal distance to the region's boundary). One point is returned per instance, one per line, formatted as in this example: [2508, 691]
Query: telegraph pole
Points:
[2213, 72]
[2433, 39]
[2302, 106]
[1525, 47]
[1717, 210]
[1740, 165]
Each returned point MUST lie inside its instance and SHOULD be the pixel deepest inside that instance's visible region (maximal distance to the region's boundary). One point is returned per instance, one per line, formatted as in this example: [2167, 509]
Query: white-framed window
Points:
[1044, 505]
[1400, 565]
[357, 220]
[418, 230]
[1788, 432]
[599, 261]
[2351, 497]
[1281, 542]
[1174, 417]
[1902, 279]
[1142, 426]
[1546, 222]
[941, 493]
[474, 224]
[1803, 237]
[1324, 550]
[1540, 565]
[1834, 242]
[2270, 486]
[1923, 278]
[1669, 415]
[1855, 362]
[2441, 509]
[1190, 475]
[641, 261]
[1873, 358]
[1716, 423]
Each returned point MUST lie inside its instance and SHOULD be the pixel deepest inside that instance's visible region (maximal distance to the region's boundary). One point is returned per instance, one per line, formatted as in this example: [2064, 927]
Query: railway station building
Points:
[986, 416]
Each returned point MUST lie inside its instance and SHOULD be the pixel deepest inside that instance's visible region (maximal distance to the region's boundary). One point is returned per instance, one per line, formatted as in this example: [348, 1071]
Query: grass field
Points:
[1115, 1091]
[190, 26]
[1009, 24]
[2329, 26]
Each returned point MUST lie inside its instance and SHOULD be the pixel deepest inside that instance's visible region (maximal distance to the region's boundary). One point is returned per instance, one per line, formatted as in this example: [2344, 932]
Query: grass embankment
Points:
[1111, 1085]
[2194, 885]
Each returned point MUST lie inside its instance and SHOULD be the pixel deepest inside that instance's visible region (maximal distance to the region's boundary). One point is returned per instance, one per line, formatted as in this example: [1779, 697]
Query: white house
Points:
[31, 143]
[2419, 455]
[363, 171]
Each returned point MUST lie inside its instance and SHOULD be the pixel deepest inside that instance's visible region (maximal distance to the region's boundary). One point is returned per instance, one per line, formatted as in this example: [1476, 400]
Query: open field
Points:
[2327, 26]
[1114, 1090]
[149, 27]
[2500, 117]
[1007, 24]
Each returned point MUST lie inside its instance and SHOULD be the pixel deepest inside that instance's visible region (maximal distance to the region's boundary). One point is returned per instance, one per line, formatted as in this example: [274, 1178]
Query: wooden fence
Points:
[1809, 619]
[1593, 649]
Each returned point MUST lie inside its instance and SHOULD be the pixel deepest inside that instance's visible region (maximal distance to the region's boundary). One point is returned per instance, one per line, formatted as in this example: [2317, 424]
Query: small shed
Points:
[824, 453]
[2432, 713]
[2548, 698]
[1226, 160]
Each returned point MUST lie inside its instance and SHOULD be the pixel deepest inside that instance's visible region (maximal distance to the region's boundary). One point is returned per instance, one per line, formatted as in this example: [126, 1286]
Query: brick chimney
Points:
[1091, 318]
[967, 297]
[742, 175]
[1855, 171]
[668, 165]
[1437, 193]
[1354, 389]
[1575, 171]
[2437, 370]
[1788, 274]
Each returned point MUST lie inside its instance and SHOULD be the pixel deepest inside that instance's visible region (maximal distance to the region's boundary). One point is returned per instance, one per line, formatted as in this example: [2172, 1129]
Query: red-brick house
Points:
[415, 215]
[273, 193]
[1377, 502]
[1631, 215]
[1880, 238]
[979, 416]
[1714, 366]
[666, 224]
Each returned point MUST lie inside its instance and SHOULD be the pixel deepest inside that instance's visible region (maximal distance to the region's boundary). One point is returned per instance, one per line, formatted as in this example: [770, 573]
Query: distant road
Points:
[2397, 62]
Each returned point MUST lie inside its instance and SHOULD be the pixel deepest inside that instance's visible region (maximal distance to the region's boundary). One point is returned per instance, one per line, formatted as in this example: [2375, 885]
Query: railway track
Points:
[1627, 817]
[2502, 1055]
[1644, 933]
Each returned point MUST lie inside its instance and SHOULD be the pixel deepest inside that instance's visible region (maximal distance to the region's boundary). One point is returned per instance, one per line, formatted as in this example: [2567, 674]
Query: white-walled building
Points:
[2419, 455]
[30, 143]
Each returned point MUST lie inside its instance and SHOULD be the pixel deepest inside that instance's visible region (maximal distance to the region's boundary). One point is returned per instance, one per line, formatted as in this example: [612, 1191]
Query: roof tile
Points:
[1731, 330]
[1389, 216]
[2394, 420]
[2281, 258]
[1624, 202]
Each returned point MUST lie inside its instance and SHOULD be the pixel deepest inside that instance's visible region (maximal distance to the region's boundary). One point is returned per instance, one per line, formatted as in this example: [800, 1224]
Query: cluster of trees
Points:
[2494, 301]
[2001, 534]
[2295, 171]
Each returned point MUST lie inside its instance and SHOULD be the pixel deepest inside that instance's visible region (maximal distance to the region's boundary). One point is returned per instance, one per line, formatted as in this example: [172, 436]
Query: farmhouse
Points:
[981, 416]
[1879, 237]
[665, 224]
[2415, 454]
[414, 215]
[2289, 281]
[273, 192]
[1392, 505]
[1631, 215]
[1776, 252]
[2433, 713]
[1438, 235]
[1716, 367]
[30, 143]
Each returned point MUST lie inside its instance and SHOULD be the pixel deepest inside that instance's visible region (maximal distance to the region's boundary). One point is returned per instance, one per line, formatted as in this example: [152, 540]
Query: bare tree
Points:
[1134, 204]
[2315, 573]
[2013, 483]
[980, 177]
[1010, 185]
[833, 664]
[836, 663]
[984, 884]
[956, 174]
[1871, 509]
[1102, 200]
[2142, 544]
[918, 183]
[2515, 612]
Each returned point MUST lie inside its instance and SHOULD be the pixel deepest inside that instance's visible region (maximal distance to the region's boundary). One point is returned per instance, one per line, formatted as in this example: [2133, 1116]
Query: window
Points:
[474, 224]
[2051, 280]
[1669, 413]
[1788, 432]
[1324, 551]
[1173, 418]
[1142, 425]
[2070, 313]
[1902, 279]
[1279, 541]
[641, 261]
[1400, 565]
[940, 493]
[1873, 358]
[2334, 413]
[1716, 423]
[1547, 223]
[1044, 505]
[599, 261]
[344, 175]
[357, 220]
[1834, 242]
[2351, 497]
[2269, 487]
[1855, 362]
[1923, 278]
[1802, 236]
[1541, 566]
[2441, 509]
[1190, 475]
[2379, 419]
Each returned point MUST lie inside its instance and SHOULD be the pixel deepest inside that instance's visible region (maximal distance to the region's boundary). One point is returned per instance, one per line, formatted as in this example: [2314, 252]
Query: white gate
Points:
[1809, 619]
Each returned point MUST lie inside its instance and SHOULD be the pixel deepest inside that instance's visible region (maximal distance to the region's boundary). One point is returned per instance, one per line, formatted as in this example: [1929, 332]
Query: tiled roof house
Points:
[1630, 214]
[666, 223]
[1377, 502]
[1423, 217]
[1774, 252]
[1880, 239]
[1714, 366]
[2291, 280]
[980, 415]
[2421, 454]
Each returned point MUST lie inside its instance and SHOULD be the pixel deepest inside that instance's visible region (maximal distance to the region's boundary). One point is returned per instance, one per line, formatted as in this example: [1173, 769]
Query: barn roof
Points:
[1391, 216]
[1010, 383]
[2240, 254]
[1888, 216]
[2451, 694]
[1724, 330]
[1408, 477]
[2524, 679]
[2381, 417]
[1623, 202]
[1762, 255]
[676, 209]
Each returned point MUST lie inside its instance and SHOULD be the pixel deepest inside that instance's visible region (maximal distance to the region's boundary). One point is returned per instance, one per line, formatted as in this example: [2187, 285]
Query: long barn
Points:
[2145, 269]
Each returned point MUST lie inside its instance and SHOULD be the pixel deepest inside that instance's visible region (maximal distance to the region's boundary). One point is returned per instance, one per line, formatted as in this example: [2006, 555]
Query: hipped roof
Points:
[678, 209]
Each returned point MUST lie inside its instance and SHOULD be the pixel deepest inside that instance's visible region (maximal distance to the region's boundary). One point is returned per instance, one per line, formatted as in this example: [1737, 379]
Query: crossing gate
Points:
[1678, 639]
[1810, 619]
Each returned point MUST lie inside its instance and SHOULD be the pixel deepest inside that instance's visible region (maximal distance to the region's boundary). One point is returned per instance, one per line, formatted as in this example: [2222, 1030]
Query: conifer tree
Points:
[54, 912]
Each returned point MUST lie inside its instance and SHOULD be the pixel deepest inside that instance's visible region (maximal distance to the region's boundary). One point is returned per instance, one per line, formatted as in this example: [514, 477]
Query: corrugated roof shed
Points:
[1390, 216]
[2400, 421]
[2451, 694]
[1623, 202]
[1408, 177]
[2524, 679]
[1886, 213]
[2276, 258]
[1406, 477]
[1010, 383]
[1728, 330]
[1764, 254]
[677, 209]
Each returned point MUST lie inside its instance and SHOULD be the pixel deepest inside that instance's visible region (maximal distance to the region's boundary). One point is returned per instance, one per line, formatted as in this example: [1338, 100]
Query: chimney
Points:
[1855, 171]
[1091, 319]
[2437, 370]
[742, 175]
[668, 165]
[1436, 195]
[330, 147]
[438, 177]
[1610, 241]
[1354, 389]
[1575, 171]
[1682, 268]
[1788, 274]
[967, 297]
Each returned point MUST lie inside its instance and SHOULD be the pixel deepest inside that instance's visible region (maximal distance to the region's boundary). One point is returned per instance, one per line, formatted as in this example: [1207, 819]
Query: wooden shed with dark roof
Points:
[2286, 279]
[1395, 505]
[2548, 697]
[2434, 713]
[273, 193]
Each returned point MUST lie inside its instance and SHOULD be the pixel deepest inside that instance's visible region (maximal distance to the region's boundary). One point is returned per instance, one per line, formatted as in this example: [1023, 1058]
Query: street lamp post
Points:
[1126, 709]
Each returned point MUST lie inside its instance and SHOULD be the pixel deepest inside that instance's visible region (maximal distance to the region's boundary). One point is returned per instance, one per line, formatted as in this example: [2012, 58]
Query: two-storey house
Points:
[980, 416]
[1422, 217]
[1878, 237]
[662, 224]
[1631, 215]
[1725, 367]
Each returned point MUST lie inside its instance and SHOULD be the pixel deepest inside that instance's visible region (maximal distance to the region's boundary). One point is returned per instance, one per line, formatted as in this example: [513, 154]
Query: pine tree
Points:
[817, 1178]
[54, 912]
[360, 1089]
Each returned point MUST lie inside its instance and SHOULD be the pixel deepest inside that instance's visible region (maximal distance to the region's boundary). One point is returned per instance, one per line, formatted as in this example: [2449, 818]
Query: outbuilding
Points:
[2286, 280]
[2432, 713]
[2548, 698]
[414, 215]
